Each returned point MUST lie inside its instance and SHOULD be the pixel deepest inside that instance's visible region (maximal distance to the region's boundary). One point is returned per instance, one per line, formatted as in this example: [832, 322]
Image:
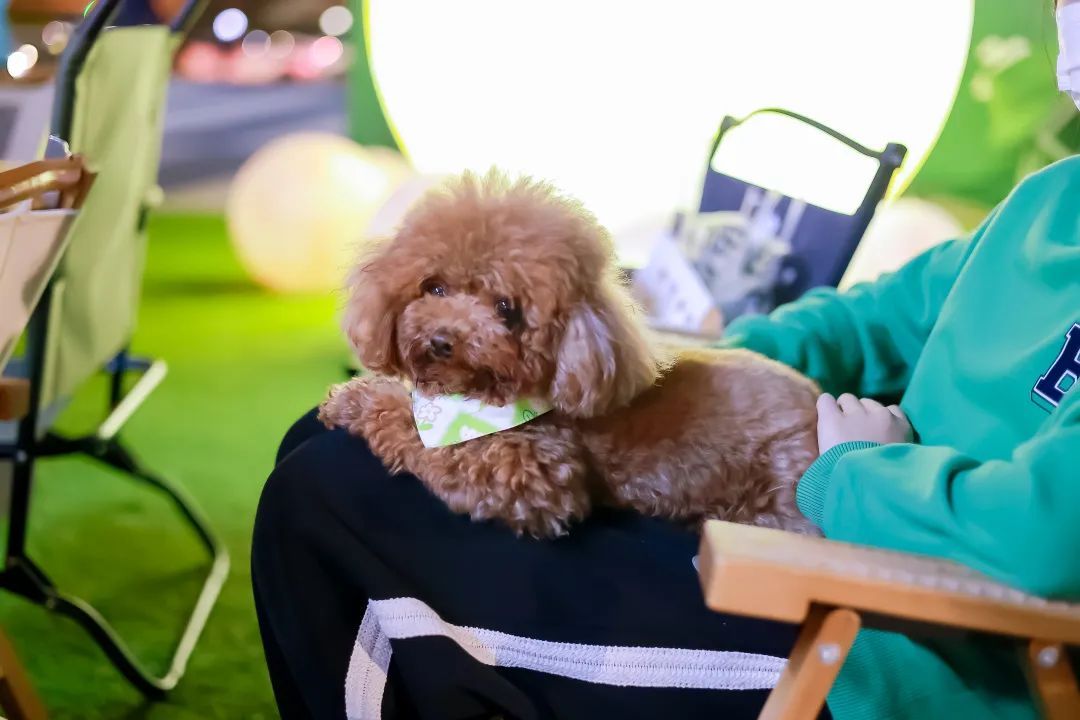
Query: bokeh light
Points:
[256, 43]
[326, 51]
[201, 62]
[31, 53]
[18, 64]
[230, 24]
[251, 68]
[55, 35]
[298, 207]
[281, 44]
[335, 20]
[627, 131]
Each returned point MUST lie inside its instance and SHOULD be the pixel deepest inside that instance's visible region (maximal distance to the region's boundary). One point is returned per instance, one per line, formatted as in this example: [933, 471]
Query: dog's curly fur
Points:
[518, 286]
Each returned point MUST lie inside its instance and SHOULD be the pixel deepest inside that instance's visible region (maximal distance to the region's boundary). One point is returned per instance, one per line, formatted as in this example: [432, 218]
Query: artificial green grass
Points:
[243, 364]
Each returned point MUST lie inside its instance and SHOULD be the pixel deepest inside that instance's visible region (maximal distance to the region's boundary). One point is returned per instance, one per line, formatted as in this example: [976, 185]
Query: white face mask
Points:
[1068, 65]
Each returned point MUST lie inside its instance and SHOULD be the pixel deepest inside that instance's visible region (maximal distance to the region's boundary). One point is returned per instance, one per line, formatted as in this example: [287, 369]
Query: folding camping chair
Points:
[822, 241]
[765, 231]
[38, 203]
[833, 589]
[110, 93]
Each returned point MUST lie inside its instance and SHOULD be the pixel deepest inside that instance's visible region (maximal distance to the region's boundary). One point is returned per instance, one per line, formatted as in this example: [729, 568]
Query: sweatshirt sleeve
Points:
[865, 340]
[1018, 519]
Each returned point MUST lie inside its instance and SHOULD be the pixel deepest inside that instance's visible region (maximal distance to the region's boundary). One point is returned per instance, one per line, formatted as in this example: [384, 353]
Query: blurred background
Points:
[295, 129]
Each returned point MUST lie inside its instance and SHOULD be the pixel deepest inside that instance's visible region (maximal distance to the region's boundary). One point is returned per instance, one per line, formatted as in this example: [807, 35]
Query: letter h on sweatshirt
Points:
[1062, 375]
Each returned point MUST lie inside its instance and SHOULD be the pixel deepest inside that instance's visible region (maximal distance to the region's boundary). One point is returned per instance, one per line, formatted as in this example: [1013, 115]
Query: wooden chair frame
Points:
[833, 589]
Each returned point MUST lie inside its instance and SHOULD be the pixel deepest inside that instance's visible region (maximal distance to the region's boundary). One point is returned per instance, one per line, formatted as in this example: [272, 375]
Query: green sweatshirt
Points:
[982, 338]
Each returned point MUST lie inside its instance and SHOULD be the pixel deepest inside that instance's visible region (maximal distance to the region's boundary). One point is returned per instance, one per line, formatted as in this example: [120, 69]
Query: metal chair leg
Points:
[116, 456]
[23, 577]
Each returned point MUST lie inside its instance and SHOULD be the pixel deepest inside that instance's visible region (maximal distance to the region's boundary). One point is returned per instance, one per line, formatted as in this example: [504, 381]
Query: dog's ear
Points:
[604, 359]
[370, 315]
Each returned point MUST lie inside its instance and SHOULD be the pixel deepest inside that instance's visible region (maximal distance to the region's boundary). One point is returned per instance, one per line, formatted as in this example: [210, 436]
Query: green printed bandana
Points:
[450, 419]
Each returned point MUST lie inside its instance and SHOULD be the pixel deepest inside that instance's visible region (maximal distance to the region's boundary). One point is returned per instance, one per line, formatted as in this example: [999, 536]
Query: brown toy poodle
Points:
[497, 289]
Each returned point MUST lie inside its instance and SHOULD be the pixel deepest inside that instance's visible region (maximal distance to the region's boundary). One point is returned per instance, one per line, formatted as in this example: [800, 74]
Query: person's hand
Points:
[849, 419]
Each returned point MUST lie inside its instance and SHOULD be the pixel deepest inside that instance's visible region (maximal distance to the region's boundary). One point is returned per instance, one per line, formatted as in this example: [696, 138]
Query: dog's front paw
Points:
[380, 411]
[361, 401]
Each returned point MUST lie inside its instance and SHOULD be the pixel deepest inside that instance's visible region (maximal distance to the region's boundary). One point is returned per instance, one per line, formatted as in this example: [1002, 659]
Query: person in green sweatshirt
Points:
[981, 337]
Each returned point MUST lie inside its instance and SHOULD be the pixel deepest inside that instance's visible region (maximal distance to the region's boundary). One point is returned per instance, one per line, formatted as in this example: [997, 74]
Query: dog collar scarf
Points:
[445, 420]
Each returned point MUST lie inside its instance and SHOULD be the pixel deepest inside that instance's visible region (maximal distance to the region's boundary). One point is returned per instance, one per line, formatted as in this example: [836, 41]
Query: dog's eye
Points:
[433, 287]
[510, 314]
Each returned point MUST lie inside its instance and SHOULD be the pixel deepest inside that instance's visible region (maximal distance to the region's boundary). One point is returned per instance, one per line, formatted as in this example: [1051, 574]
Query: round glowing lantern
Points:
[616, 102]
[299, 206]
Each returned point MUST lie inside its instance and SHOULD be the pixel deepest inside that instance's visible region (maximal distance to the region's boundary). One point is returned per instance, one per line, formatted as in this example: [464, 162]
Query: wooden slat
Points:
[17, 697]
[14, 398]
[777, 575]
[1052, 680]
[1053, 683]
[819, 652]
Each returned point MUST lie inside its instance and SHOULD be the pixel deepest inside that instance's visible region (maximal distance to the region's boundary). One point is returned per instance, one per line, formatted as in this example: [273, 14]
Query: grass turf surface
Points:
[243, 364]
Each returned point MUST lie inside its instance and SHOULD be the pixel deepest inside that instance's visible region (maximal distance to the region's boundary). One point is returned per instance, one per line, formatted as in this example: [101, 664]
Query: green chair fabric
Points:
[117, 126]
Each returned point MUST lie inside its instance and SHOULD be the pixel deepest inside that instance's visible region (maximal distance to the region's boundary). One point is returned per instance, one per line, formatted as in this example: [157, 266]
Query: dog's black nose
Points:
[441, 345]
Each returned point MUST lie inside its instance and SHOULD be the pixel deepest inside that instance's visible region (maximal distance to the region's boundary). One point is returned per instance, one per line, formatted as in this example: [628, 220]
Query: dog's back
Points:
[725, 434]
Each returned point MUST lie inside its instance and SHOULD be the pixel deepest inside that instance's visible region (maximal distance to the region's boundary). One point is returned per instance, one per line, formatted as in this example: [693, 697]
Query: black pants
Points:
[375, 601]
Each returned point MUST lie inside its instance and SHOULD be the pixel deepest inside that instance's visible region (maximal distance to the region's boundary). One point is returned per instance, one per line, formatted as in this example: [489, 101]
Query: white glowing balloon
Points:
[298, 207]
[899, 232]
[616, 101]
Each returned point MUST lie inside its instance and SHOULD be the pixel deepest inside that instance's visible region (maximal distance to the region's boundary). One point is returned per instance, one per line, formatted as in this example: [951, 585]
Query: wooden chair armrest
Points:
[68, 176]
[778, 575]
